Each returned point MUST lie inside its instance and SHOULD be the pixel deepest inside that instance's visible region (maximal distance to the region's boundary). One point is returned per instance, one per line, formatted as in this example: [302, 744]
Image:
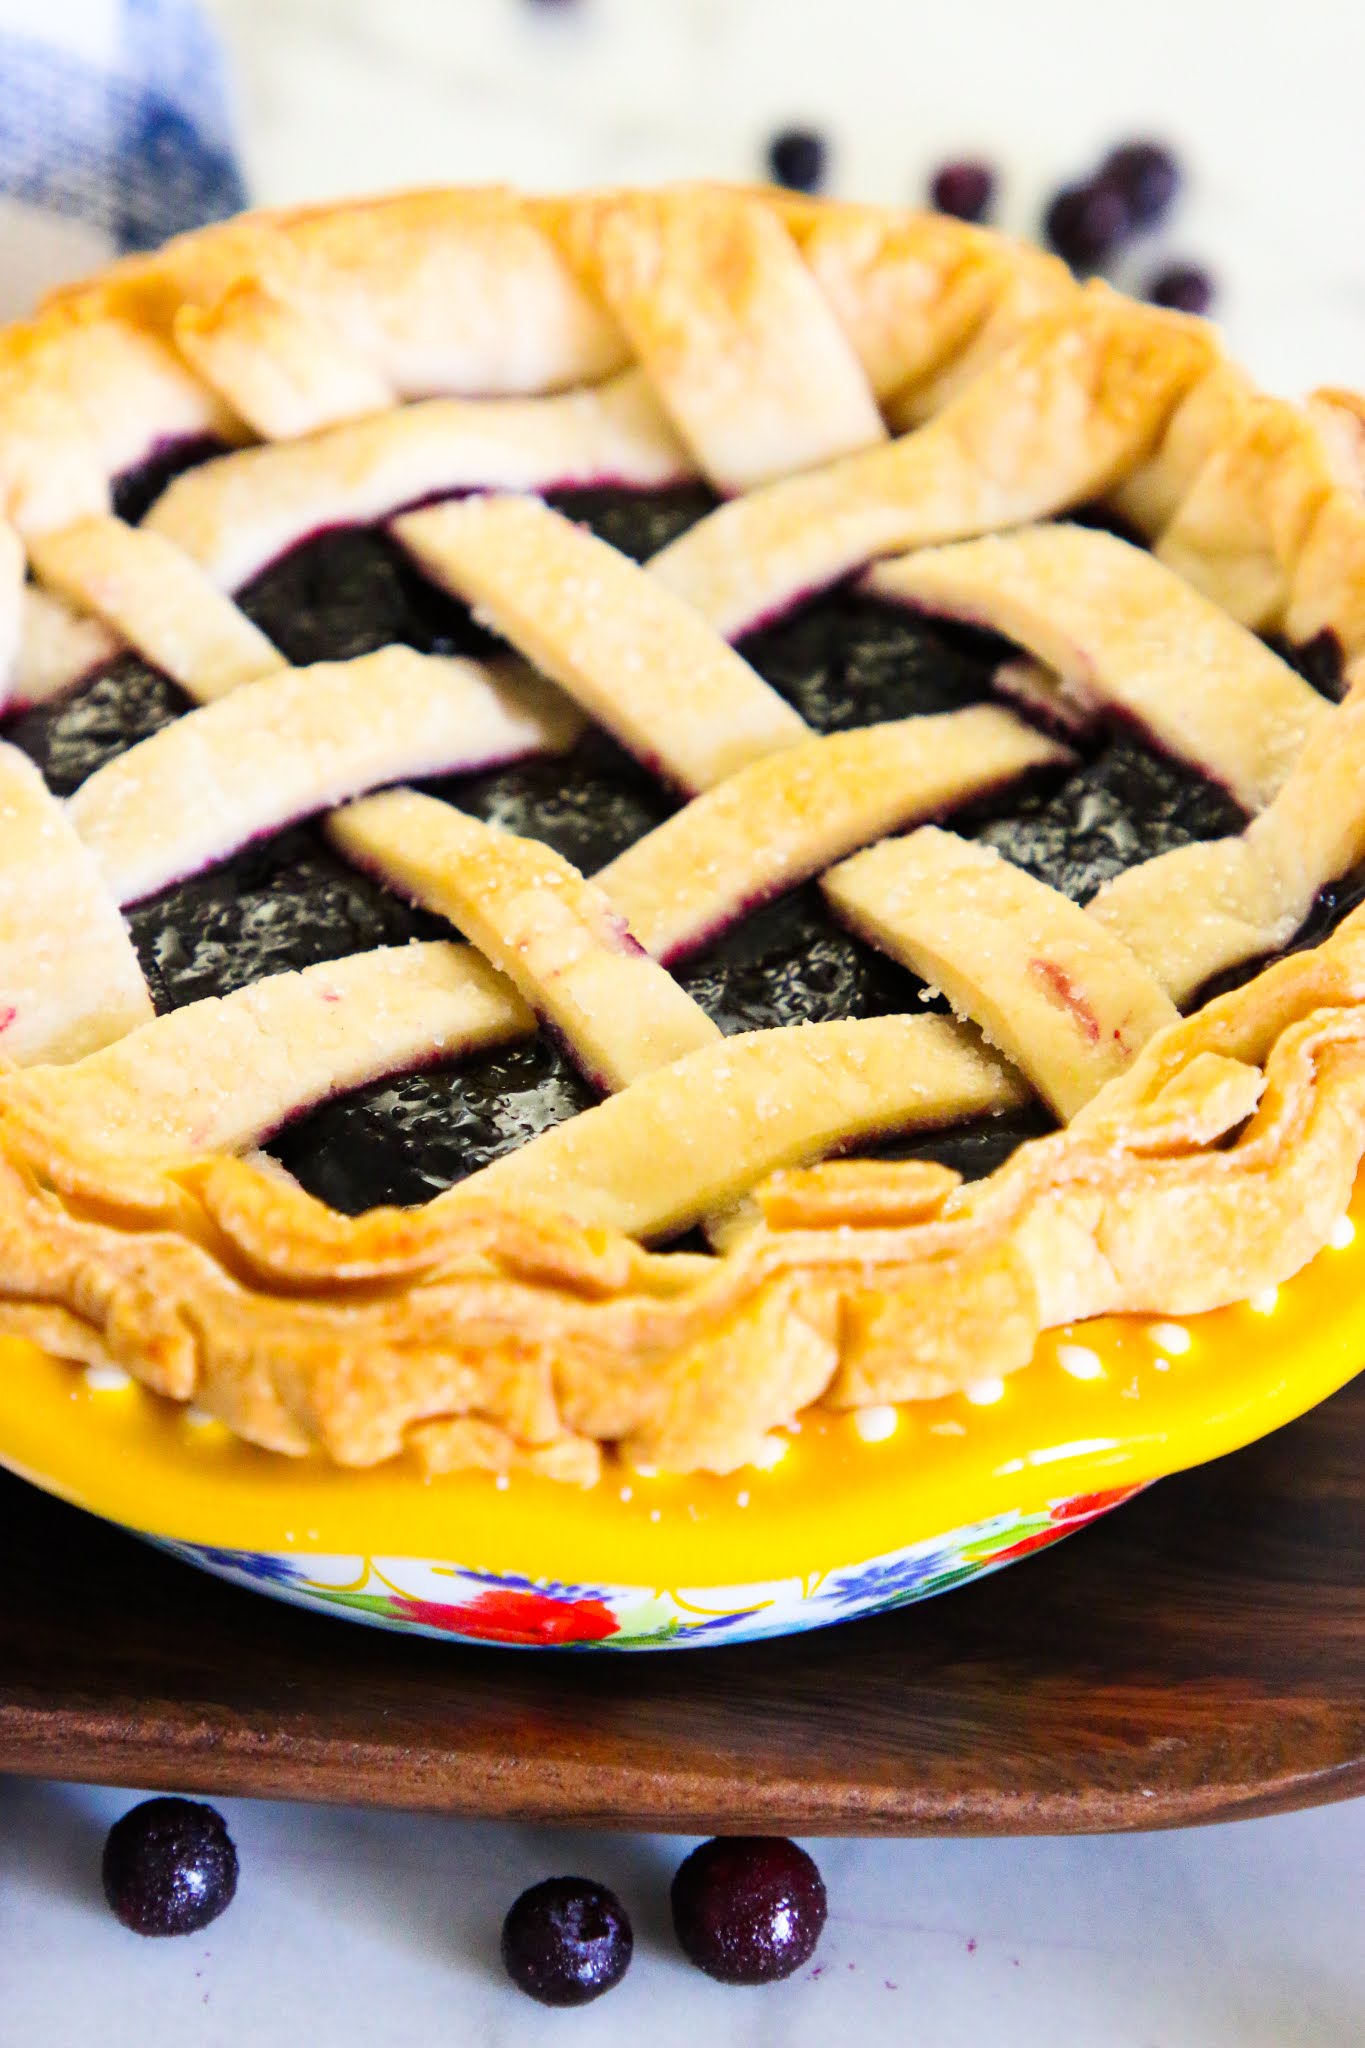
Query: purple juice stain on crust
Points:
[844, 660]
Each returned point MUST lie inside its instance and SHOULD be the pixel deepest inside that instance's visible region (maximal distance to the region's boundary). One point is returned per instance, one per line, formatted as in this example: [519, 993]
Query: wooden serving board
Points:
[1197, 1656]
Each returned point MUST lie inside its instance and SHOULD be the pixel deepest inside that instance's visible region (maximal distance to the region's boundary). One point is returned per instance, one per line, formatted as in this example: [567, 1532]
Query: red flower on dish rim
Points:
[1085, 1506]
[513, 1615]
[1066, 1516]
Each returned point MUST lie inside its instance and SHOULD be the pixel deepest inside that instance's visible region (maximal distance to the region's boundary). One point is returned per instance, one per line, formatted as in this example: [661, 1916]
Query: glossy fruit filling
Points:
[289, 900]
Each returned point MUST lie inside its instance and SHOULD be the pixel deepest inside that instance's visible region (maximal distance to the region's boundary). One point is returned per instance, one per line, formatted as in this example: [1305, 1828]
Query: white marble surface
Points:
[356, 1927]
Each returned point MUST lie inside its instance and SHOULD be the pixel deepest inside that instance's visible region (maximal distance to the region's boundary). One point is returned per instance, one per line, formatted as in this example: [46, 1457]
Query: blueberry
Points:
[797, 158]
[566, 1941]
[965, 189]
[1086, 223]
[748, 1909]
[1148, 176]
[1182, 286]
[169, 1867]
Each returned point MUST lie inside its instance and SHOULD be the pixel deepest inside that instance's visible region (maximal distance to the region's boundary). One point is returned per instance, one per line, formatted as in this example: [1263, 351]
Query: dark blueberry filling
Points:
[350, 591]
[1319, 661]
[137, 490]
[285, 902]
[71, 737]
[847, 660]
[403, 1140]
[1124, 804]
[589, 807]
[637, 524]
[972, 1149]
[843, 661]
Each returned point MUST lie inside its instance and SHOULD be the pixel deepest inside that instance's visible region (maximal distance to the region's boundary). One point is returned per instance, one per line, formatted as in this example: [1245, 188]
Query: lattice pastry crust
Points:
[889, 395]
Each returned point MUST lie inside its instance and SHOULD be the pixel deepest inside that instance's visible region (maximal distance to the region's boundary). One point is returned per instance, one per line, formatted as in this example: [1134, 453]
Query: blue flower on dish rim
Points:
[264, 1565]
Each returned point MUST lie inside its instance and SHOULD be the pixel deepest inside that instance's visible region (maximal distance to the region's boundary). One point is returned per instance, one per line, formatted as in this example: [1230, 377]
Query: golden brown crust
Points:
[1136, 1206]
[507, 1330]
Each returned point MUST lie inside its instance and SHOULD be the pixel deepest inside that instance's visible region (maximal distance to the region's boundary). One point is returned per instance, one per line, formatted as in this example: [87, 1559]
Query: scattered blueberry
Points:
[169, 1867]
[1182, 286]
[1086, 223]
[566, 1941]
[1148, 176]
[965, 189]
[748, 1909]
[797, 158]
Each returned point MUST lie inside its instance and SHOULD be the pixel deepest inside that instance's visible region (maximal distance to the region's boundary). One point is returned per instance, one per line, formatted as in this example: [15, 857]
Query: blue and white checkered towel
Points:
[115, 132]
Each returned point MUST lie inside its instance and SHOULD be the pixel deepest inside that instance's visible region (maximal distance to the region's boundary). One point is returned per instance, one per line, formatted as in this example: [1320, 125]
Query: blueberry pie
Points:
[621, 815]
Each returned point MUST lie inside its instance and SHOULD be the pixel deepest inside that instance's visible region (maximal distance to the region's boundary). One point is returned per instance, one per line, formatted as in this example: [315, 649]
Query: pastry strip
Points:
[1241, 526]
[692, 1137]
[284, 369]
[782, 819]
[149, 592]
[243, 510]
[294, 744]
[730, 327]
[1121, 631]
[414, 293]
[909, 290]
[57, 647]
[1061, 997]
[223, 1073]
[69, 978]
[12, 564]
[1254, 891]
[556, 936]
[624, 648]
[1052, 422]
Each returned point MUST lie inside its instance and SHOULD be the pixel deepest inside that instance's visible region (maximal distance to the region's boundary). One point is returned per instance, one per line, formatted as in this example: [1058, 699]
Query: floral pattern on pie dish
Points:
[417, 1597]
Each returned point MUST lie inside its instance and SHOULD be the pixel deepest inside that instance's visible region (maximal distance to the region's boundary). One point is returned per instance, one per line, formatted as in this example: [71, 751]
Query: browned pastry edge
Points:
[1214, 1167]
